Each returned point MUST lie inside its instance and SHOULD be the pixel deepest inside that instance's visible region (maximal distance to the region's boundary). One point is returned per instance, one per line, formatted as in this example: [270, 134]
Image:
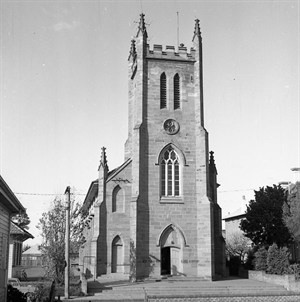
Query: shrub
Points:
[295, 269]
[13, 294]
[260, 261]
[249, 263]
[278, 260]
[42, 292]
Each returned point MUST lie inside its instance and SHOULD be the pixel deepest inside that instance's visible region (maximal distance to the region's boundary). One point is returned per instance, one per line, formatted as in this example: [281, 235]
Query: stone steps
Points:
[168, 290]
[203, 291]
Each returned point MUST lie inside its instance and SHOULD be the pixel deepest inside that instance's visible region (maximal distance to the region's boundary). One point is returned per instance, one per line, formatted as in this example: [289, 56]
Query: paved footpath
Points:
[172, 289]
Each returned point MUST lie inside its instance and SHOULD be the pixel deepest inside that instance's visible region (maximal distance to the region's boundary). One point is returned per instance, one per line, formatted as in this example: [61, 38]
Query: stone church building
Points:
[157, 214]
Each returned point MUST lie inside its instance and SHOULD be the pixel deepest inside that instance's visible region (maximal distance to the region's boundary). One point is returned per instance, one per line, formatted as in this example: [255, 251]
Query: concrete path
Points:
[105, 289]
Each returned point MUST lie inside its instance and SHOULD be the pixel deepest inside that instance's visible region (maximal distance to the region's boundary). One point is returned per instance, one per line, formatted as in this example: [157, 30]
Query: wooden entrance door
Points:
[175, 261]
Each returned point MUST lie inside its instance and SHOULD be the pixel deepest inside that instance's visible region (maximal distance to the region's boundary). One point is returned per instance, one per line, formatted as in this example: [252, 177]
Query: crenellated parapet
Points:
[169, 53]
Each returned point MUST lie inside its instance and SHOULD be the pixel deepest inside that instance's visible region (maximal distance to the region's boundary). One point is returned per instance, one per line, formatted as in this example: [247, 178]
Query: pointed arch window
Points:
[163, 91]
[170, 173]
[176, 91]
[117, 199]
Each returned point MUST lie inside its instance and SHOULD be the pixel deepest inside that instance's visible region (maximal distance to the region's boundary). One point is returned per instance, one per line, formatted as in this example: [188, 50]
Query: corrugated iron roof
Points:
[16, 230]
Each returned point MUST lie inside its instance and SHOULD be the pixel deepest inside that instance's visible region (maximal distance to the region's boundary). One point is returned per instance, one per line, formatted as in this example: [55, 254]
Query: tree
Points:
[263, 223]
[238, 245]
[21, 220]
[52, 225]
[291, 211]
[25, 247]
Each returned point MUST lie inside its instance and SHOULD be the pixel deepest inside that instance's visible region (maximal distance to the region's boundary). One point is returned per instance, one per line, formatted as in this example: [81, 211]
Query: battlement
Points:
[169, 53]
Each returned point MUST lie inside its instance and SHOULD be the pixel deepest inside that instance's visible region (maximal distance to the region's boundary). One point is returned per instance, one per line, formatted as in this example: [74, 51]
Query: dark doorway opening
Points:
[165, 261]
[117, 255]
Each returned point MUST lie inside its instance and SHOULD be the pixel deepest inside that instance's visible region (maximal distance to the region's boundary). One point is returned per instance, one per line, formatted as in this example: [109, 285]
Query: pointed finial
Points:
[142, 21]
[142, 26]
[211, 159]
[197, 32]
[132, 52]
[103, 155]
[103, 160]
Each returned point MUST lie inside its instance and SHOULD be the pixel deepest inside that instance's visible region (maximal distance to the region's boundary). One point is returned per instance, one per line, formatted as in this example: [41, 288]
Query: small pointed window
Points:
[117, 200]
[163, 91]
[176, 91]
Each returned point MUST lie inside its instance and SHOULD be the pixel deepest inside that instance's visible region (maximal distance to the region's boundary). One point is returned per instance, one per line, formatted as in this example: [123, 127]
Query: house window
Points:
[17, 253]
[176, 91]
[170, 173]
[163, 91]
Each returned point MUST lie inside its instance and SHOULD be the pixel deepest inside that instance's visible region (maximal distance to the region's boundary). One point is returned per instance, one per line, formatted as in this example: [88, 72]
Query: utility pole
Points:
[67, 243]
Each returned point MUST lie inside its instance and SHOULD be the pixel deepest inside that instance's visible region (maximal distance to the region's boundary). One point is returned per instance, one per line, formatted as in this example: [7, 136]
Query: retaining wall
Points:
[287, 281]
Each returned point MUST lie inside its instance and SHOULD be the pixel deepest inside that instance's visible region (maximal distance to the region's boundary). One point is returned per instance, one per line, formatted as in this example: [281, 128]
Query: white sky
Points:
[64, 90]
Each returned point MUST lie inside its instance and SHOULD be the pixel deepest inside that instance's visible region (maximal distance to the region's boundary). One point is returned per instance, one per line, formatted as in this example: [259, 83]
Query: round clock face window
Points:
[171, 126]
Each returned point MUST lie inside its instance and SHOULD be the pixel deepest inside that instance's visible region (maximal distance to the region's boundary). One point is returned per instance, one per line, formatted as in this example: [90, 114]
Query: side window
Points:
[170, 173]
[117, 199]
[163, 91]
[176, 91]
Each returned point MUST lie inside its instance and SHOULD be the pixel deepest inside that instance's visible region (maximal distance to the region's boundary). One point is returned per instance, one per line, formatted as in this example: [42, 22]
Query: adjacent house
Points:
[16, 238]
[32, 262]
[9, 206]
[233, 221]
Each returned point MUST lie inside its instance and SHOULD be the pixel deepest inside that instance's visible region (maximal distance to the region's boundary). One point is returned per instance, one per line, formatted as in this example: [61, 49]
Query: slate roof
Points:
[239, 213]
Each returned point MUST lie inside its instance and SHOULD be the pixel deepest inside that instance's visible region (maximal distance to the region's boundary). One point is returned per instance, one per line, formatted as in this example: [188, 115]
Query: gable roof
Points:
[21, 233]
[9, 199]
[116, 171]
[93, 188]
[92, 192]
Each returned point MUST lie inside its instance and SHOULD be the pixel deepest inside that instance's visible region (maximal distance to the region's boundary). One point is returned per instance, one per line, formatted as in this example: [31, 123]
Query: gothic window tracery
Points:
[170, 173]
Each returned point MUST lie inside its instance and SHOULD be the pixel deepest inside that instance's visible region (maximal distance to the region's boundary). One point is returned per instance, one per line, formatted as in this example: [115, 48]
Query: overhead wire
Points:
[44, 194]
[83, 194]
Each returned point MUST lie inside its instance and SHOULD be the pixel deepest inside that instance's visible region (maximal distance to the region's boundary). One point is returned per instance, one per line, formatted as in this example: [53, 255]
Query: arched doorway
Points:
[117, 255]
[171, 246]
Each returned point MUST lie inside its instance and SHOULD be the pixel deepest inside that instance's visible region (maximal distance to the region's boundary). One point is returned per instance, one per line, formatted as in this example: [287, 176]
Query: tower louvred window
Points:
[163, 91]
[170, 173]
[176, 91]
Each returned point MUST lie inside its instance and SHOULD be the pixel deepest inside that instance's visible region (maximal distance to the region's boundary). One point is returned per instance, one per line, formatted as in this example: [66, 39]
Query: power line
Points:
[240, 190]
[44, 194]
[83, 194]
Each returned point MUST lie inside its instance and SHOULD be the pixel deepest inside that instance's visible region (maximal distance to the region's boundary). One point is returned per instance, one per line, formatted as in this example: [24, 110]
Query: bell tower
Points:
[175, 221]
